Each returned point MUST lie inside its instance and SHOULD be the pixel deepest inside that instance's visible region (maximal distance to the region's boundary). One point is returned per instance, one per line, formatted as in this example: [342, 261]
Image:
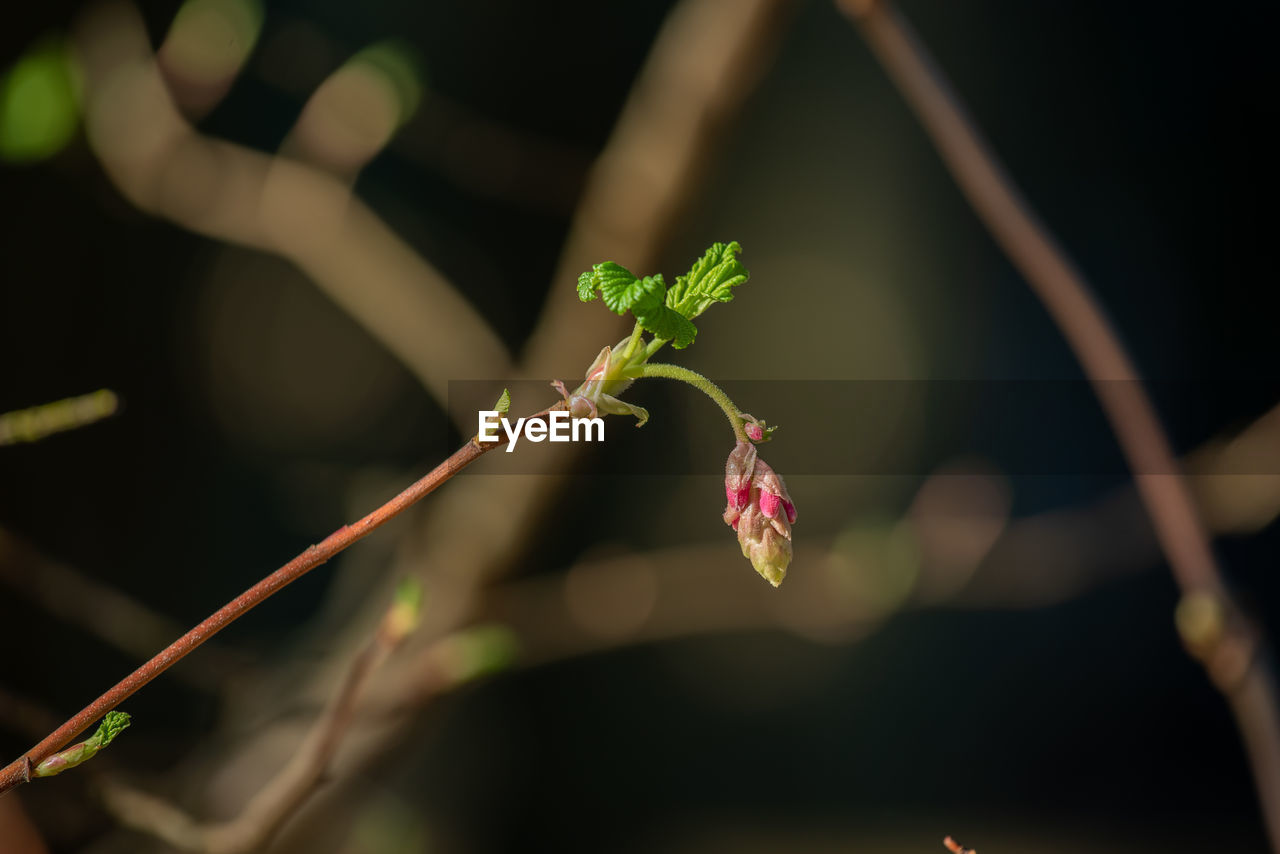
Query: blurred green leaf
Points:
[39, 107]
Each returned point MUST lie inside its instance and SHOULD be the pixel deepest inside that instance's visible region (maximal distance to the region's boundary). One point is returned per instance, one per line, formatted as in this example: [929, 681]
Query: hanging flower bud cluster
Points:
[760, 510]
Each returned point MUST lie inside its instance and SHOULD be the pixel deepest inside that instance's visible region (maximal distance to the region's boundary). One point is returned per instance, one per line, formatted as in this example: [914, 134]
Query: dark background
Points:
[1141, 131]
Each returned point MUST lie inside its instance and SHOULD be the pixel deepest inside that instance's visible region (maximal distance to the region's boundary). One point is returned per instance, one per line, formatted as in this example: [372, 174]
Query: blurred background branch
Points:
[275, 204]
[105, 612]
[36, 422]
[1226, 642]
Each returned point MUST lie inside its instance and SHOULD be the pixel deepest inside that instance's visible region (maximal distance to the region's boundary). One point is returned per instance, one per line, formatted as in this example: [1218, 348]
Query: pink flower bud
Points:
[760, 510]
[754, 431]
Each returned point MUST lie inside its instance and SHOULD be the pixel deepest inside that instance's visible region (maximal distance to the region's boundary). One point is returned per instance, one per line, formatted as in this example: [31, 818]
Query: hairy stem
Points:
[20, 770]
[698, 381]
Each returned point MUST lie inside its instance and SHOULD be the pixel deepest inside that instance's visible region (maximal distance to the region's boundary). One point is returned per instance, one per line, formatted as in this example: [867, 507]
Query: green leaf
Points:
[39, 103]
[621, 290]
[712, 279]
[113, 723]
[665, 323]
[503, 406]
[622, 296]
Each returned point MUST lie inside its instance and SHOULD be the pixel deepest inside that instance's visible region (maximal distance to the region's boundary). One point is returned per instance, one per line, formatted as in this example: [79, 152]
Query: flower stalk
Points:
[702, 384]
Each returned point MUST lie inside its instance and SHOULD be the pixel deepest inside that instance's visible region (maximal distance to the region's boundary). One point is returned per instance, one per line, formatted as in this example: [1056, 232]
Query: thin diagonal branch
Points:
[1228, 647]
[19, 771]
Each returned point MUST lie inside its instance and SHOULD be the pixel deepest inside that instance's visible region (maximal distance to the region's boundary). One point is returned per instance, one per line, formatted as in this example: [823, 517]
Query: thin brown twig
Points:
[956, 848]
[19, 771]
[1225, 643]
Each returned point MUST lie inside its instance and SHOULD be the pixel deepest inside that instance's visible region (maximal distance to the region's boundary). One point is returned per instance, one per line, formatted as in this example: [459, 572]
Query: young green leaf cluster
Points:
[667, 313]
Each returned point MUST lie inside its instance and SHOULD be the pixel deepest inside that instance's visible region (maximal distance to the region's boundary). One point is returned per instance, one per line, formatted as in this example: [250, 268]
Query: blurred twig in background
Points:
[104, 611]
[37, 422]
[1219, 636]
[24, 715]
[231, 193]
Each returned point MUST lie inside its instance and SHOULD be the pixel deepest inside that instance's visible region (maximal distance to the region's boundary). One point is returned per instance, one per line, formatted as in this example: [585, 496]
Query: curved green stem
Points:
[698, 381]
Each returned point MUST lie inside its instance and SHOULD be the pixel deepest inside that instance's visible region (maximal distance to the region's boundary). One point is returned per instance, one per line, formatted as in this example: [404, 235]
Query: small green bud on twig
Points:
[405, 612]
[503, 406]
[113, 723]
